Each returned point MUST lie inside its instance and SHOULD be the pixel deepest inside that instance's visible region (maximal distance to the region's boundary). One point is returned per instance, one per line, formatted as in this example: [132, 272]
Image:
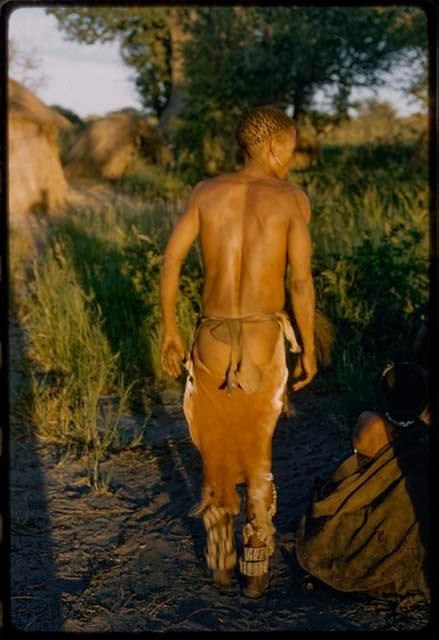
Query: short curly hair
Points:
[258, 124]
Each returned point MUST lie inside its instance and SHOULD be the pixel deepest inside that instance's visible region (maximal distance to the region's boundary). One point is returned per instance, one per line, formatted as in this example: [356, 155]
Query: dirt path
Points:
[132, 560]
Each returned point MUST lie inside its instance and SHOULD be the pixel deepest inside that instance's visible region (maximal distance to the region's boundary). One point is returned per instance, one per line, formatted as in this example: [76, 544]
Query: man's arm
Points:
[302, 293]
[301, 202]
[183, 235]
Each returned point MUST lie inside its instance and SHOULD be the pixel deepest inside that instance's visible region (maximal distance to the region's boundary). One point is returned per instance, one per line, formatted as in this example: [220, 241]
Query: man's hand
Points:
[305, 370]
[172, 353]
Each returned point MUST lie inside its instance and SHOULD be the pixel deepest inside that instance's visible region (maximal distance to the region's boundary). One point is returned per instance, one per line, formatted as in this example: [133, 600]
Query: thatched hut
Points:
[36, 176]
[108, 145]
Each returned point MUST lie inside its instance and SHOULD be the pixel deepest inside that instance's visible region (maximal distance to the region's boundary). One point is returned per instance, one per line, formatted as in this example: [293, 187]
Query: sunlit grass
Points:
[73, 367]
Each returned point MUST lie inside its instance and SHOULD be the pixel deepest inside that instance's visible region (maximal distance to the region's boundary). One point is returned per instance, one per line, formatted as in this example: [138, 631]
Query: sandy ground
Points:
[132, 560]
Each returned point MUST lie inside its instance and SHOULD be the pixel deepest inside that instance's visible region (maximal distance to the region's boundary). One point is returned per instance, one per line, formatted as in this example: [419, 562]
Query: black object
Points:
[403, 389]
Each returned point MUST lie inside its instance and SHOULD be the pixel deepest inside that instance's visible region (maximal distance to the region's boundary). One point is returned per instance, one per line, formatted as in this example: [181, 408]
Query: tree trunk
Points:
[178, 38]
[300, 100]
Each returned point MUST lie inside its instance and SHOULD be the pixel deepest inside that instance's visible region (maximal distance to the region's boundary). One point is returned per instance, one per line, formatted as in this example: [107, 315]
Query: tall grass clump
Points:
[148, 181]
[74, 370]
[371, 260]
[117, 256]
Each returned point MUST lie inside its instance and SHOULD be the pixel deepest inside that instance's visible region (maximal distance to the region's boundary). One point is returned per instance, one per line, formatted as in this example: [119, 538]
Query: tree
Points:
[416, 57]
[284, 54]
[23, 65]
[239, 57]
[150, 40]
[207, 64]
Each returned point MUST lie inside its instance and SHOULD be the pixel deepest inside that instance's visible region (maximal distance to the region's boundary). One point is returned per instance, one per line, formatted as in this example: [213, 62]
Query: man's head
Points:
[268, 136]
[404, 390]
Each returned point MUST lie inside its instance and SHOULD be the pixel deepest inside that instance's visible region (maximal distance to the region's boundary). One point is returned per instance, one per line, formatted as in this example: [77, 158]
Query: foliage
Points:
[73, 366]
[67, 113]
[237, 57]
[377, 122]
[24, 65]
[145, 43]
[148, 181]
[67, 138]
[370, 236]
[117, 256]
[272, 64]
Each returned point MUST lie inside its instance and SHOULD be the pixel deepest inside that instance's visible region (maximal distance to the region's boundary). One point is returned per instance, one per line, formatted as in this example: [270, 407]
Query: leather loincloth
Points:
[241, 371]
[232, 418]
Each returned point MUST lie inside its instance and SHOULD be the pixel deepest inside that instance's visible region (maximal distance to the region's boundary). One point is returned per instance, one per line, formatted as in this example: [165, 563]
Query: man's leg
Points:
[220, 550]
[258, 534]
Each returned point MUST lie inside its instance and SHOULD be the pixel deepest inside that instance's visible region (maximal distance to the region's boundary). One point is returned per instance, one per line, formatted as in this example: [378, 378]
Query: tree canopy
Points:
[149, 39]
[206, 64]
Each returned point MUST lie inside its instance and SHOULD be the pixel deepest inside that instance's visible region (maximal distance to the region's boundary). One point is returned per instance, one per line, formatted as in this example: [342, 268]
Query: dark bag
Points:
[367, 525]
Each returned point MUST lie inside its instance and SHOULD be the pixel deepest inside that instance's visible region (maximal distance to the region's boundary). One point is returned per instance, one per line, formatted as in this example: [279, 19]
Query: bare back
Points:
[243, 232]
[244, 226]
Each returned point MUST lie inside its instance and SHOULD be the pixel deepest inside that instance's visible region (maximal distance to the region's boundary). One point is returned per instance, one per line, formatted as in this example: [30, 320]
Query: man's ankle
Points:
[255, 586]
[222, 577]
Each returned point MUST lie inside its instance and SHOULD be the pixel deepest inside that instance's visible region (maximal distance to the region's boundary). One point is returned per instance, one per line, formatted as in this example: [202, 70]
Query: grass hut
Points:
[107, 146]
[36, 177]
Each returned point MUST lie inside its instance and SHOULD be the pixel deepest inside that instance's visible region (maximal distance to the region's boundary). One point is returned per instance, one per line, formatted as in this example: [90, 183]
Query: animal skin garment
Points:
[232, 417]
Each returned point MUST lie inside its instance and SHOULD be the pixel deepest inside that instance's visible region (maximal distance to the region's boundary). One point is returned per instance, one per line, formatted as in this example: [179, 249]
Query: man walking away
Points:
[252, 224]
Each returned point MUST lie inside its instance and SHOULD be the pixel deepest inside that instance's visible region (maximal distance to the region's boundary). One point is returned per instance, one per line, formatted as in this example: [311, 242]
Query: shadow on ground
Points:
[36, 584]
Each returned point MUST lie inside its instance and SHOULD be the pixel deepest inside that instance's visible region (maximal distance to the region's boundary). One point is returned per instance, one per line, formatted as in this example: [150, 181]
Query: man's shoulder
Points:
[213, 187]
[293, 193]
[289, 190]
[199, 186]
[207, 184]
[292, 189]
[298, 200]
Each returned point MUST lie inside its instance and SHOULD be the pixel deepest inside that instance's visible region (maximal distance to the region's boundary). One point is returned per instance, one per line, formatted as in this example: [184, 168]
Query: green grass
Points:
[145, 180]
[73, 367]
[370, 234]
[94, 318]
[117, 258]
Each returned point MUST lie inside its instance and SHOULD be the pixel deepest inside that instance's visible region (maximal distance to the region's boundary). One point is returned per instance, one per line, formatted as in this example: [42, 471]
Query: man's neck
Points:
[255, 169]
